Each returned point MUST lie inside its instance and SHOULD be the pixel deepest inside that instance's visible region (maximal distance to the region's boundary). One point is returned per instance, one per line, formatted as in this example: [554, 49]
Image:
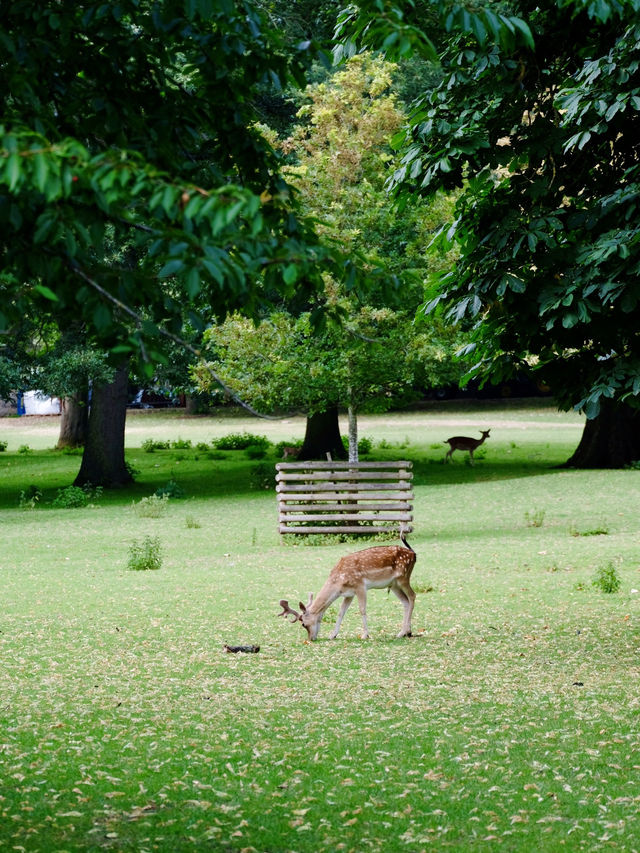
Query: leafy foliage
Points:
[129, 124]
[607, 579]
[543, 132]
[339, 161]
[145, 554]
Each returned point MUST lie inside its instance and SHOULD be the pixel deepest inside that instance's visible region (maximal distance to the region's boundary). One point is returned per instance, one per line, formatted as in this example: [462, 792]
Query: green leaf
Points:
[290, 274]
[171, 268]
[13, 171]
[46, 292]
[192, 282]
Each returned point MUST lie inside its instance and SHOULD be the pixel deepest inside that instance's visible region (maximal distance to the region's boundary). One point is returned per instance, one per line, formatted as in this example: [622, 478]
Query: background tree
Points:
[543, 132]
[340, 157]
[130, 124]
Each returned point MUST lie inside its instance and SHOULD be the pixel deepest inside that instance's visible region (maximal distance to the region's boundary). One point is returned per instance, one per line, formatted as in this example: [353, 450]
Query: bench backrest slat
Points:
[344, 497]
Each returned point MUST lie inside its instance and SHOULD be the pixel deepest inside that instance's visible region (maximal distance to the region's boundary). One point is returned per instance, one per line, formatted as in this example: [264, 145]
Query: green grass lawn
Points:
[511, 720]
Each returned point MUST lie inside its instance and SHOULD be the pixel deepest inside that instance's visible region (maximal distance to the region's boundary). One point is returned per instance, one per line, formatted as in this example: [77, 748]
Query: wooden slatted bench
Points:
[344, 497]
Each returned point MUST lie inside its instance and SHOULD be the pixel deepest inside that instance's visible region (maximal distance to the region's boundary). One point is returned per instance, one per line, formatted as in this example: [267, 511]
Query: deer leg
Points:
[408, 598]
[362, 602]
[471, 457]
[346, 601]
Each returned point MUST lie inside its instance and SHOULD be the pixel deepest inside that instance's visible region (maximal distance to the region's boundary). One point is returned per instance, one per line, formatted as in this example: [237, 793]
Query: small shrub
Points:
[599, 530]
[29, 498]
[150, 445]
[192, 523]
[25, 449]
[535, 518]
[240, 441]
[133, 472]
[72, 451]
[256, 451]
[155, 506]
[73, 497]
[202, 446]
[263, 476]
[3, 446]
[216, 455]
[181, 444]
[607, 579]
[145, 554]
[364, 445]
[170, 490]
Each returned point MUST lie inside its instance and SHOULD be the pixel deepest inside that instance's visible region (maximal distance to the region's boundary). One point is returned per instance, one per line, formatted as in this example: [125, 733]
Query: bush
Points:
[29, 498]
[364, 445]
[607, 579]
[3, 446]
[181, 444]
[170, 490]
[73, 497]
[240, 441]
[256, 451]
[263, 476]
[146, 554]
[150, 445]
[535, 518]
[155, 506]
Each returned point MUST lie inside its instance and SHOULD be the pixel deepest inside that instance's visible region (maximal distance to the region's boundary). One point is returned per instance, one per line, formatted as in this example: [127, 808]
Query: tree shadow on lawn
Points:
[433, 472]
[233, 477]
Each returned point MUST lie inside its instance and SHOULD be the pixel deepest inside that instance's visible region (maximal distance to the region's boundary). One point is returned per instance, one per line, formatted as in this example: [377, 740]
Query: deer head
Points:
[309, 620]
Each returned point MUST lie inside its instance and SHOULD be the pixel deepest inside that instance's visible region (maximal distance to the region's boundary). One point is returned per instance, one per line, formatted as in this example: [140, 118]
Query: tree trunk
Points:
[103, 459]
[353, 435]
[74, 421]
[322, 436]
[611, 440]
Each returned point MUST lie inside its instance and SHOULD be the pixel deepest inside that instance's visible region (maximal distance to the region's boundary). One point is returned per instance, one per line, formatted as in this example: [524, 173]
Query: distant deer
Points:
[290, 452]
[462, 442]
[381, 567]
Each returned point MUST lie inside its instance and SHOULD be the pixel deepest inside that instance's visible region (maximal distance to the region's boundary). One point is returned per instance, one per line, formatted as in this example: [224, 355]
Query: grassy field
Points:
[511, 720]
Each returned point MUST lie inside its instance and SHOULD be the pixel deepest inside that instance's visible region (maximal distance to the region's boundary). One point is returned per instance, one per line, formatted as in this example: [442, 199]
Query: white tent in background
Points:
[37, 403]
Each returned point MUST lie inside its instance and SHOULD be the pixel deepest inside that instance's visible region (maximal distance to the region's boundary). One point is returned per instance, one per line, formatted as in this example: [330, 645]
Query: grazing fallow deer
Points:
[462, 442]
[381, 567]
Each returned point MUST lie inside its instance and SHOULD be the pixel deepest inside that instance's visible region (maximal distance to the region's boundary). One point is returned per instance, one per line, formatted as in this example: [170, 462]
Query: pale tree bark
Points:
[74, 421]
[353, 435]
[103, 462]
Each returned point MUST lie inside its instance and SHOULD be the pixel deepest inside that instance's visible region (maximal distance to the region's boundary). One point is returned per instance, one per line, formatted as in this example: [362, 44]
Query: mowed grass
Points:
[511, 720]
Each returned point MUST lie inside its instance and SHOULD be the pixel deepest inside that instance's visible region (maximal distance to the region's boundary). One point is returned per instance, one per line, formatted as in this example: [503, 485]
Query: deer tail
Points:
[403, 539]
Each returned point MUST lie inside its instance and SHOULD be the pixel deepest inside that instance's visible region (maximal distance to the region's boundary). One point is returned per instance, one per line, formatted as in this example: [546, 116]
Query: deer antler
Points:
[287, 611]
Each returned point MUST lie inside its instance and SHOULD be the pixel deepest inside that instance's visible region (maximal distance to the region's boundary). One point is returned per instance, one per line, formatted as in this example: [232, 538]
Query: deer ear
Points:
[302, 607]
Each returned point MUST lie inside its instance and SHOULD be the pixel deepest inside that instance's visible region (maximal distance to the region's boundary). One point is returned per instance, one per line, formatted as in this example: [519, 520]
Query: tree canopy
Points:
[129, 125]
[542, 131]
[537, 118]
[340, 159]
